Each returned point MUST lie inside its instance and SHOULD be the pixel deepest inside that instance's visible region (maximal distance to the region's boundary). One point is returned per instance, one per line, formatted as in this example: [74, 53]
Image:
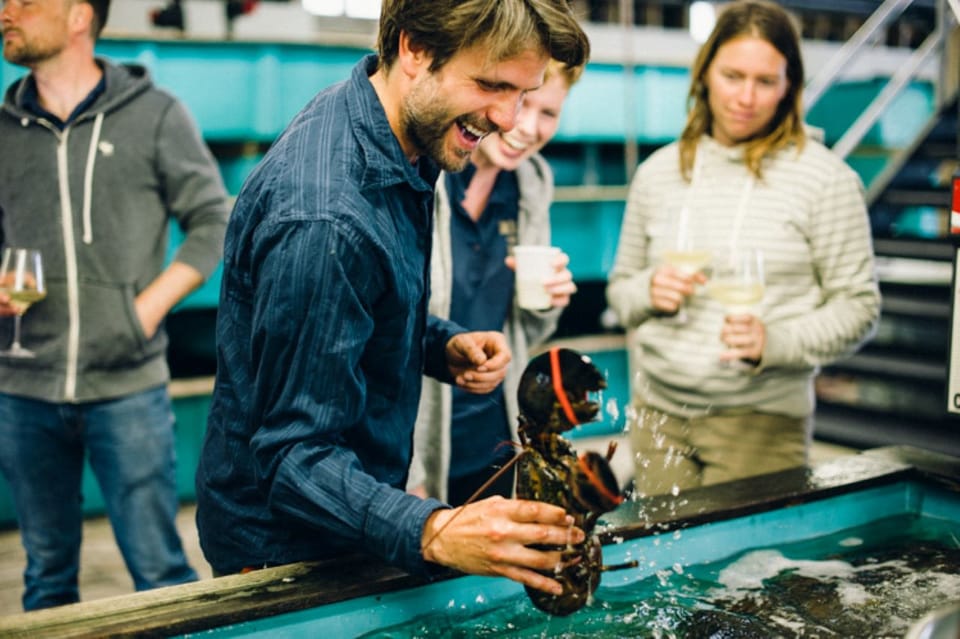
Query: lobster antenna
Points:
[497, 475]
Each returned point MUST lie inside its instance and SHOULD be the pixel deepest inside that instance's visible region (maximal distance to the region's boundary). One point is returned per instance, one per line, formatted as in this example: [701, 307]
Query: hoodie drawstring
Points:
[88, 179]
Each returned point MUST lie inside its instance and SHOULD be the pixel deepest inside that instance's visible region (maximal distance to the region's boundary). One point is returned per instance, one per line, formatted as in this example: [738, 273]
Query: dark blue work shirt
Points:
[481, 298]
[322, 338]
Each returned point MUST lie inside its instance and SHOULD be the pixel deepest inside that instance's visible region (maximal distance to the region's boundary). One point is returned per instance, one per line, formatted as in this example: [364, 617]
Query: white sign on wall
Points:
[953, 364]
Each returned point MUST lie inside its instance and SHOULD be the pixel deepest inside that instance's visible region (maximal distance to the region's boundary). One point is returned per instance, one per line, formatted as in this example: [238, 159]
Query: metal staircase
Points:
[894, 390]
[943, 43]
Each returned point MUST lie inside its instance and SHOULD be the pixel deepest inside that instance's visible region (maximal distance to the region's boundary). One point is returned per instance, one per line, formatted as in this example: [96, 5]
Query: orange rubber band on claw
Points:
[596, 483]
[558, 387]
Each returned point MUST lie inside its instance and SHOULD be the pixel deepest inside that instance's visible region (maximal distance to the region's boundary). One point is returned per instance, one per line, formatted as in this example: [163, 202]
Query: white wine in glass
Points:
[21, 279]
[689, 262]
[738, 298]
[683, 251]
[737, 281]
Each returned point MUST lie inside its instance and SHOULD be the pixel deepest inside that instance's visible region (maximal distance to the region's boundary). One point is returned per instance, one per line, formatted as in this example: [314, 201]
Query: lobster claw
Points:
[594, 485]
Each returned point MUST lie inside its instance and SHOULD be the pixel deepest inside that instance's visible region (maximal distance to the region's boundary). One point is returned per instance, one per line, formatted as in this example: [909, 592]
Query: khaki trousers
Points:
[675, 453]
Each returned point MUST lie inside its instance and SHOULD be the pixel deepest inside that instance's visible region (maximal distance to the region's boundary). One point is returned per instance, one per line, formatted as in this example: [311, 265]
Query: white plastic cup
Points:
[535, 265]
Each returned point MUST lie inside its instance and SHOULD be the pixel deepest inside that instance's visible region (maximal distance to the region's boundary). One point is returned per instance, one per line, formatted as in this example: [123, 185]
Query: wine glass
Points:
[21, 278]
[683, 251]
[737, 282]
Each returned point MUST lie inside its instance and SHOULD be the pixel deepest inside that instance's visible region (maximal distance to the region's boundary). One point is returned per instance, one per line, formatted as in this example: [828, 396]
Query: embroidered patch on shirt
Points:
[508, 229]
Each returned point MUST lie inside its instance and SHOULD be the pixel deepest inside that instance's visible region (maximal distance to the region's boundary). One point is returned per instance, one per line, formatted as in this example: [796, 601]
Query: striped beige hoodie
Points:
[822, 302]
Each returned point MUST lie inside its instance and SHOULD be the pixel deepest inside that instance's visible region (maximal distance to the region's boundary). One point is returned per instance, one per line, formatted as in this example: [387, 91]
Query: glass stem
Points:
[16, 331]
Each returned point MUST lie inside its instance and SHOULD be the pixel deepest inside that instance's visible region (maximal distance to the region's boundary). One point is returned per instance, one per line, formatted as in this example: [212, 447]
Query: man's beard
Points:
[25, 53]
[426, 123]
[427, 132]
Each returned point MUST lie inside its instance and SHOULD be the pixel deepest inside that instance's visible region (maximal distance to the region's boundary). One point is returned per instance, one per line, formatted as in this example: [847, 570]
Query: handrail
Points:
[886, 12]
[861, 126]
[936, 41]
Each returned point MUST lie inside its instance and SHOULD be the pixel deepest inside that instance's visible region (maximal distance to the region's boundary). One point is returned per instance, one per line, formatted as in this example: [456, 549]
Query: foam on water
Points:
[750, 571]
[850, 542]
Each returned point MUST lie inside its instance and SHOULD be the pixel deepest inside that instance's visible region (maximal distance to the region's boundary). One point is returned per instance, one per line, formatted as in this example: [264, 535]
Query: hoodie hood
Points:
[124, 82]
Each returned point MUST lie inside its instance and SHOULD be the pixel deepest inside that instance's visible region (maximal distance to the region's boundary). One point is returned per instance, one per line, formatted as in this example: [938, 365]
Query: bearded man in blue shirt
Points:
[323, 331]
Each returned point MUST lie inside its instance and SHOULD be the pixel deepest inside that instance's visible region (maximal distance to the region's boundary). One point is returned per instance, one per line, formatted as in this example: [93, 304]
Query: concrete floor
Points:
[102, 573]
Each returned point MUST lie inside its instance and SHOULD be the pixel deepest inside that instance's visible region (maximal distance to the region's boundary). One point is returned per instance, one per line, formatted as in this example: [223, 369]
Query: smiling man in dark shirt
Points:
[323, 331]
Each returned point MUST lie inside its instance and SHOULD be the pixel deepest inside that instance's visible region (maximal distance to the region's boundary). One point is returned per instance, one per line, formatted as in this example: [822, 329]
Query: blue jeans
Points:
[130, 443]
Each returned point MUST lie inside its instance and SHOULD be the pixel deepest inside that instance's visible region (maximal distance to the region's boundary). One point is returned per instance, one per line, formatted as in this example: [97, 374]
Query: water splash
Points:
[612, 409]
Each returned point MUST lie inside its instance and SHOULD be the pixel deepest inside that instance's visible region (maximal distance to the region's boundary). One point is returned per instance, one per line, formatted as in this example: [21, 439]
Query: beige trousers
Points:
[675, 453]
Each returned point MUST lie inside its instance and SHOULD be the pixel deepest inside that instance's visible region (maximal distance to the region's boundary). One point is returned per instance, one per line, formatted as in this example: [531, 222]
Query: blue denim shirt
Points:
[322, 337]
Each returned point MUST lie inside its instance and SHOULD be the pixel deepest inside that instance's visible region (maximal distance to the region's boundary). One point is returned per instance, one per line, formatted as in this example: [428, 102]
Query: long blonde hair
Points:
[764, 20]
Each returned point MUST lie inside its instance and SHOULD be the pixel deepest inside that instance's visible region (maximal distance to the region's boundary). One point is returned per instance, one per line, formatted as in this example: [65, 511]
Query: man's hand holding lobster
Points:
[493, 537]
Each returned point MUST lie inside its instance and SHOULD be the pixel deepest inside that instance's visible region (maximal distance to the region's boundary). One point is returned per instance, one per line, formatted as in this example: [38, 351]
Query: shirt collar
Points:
[503, 191]
[31, 101]
[385, 162]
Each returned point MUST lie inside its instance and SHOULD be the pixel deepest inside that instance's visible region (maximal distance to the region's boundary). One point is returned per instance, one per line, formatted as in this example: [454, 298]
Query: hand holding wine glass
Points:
[21, 284]
[737, 282]
[687, 258]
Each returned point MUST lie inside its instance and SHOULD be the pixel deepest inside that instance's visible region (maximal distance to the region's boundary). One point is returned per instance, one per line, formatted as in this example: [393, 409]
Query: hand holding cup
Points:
[543, 279]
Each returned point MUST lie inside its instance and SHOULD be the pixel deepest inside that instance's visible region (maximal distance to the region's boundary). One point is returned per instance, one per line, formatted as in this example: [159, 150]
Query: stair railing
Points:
[945, 89]
[887, 12]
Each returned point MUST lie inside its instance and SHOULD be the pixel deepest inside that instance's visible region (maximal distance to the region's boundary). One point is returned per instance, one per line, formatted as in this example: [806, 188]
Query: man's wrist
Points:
[432, 528]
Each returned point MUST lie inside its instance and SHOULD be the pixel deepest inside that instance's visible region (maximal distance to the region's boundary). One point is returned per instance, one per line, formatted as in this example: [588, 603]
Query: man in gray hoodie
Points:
[95, 161]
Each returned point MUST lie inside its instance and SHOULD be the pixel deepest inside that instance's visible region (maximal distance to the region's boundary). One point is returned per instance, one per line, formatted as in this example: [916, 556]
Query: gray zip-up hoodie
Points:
[96, 199]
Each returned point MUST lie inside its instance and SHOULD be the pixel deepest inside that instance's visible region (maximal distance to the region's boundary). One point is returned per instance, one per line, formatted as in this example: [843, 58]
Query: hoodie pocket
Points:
[110, 332]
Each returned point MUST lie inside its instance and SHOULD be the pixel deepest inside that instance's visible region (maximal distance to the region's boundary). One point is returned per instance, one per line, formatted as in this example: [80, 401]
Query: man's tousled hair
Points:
[504, 27]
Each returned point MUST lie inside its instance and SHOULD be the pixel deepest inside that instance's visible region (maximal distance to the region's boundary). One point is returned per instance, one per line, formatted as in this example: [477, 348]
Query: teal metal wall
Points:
[243, 94]
[247, 91]
[587, 231]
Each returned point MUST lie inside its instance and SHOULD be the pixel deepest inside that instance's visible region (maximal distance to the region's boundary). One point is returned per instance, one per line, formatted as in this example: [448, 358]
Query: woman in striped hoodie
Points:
[721, 395]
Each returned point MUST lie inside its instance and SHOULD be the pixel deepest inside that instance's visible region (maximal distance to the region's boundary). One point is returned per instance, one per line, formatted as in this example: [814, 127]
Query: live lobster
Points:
[554, 397]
